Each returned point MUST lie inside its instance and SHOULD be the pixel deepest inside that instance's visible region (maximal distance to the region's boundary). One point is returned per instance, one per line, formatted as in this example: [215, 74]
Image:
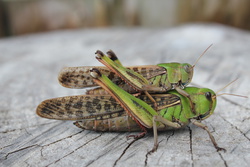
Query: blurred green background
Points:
[19, 17]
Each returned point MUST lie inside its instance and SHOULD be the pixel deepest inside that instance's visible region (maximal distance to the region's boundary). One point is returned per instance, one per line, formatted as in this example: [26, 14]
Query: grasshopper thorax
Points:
[178, 74]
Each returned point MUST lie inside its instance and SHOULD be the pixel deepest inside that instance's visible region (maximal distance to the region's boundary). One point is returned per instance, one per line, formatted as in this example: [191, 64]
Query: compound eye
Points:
[208, 95]
[187, 68]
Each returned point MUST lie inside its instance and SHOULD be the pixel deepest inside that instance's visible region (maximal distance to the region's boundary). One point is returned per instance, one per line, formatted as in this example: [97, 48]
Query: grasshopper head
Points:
[178, 73]
[205, 102]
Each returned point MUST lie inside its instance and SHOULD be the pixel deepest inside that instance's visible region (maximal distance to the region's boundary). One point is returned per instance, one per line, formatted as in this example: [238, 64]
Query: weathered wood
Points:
[29, 69]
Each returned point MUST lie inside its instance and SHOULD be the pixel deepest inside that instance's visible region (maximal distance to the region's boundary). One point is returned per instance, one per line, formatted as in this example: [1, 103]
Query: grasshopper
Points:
[148, 79]
[121, 111]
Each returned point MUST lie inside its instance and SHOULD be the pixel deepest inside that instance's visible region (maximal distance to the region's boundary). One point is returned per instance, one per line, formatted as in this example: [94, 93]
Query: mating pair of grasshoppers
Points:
[134, 98]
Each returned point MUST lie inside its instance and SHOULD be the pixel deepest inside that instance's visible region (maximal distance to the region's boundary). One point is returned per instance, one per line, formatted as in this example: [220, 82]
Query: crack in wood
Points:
[247, 131]
[246, 160]
[104, 153]
[124, 151]
[225, 162]
[160, 157]
[74, 150]
[234, 149]
[114, 138]
[191, 144]
[49, 144]
[245, 119]
[24, 128]
[148, 153]
[42, 146]
[21, 149]
[7, 146]
[235, 127]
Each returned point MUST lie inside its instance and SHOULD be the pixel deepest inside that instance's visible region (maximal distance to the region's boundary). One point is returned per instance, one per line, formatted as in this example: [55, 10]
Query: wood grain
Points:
[29, 67]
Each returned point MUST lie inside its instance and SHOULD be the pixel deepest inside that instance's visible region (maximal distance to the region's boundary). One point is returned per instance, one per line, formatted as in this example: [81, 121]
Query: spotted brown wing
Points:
[79, 77]
[78, 107]
[94, 106]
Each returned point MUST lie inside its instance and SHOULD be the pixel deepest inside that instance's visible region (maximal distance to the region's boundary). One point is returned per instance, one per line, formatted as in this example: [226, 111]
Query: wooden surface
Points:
[29, 67]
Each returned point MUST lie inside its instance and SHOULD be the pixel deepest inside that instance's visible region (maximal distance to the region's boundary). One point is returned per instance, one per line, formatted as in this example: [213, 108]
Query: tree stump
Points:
[29, 69]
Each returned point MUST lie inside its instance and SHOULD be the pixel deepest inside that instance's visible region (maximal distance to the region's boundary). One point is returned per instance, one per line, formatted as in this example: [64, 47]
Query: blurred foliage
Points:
[30, 16]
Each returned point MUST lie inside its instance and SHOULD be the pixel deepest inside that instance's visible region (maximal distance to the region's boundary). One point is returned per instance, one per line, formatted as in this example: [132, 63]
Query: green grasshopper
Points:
[148, 79]
[121, 111]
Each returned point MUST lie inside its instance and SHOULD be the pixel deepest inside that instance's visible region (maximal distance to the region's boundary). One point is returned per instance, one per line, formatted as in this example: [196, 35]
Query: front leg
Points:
[158, 118]
[184, 93]
[201, 125]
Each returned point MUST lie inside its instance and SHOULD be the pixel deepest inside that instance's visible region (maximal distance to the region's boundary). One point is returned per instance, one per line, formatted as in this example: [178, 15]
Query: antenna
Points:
[228, 93]
[226, 86]
[231, 95]
[201, 55]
